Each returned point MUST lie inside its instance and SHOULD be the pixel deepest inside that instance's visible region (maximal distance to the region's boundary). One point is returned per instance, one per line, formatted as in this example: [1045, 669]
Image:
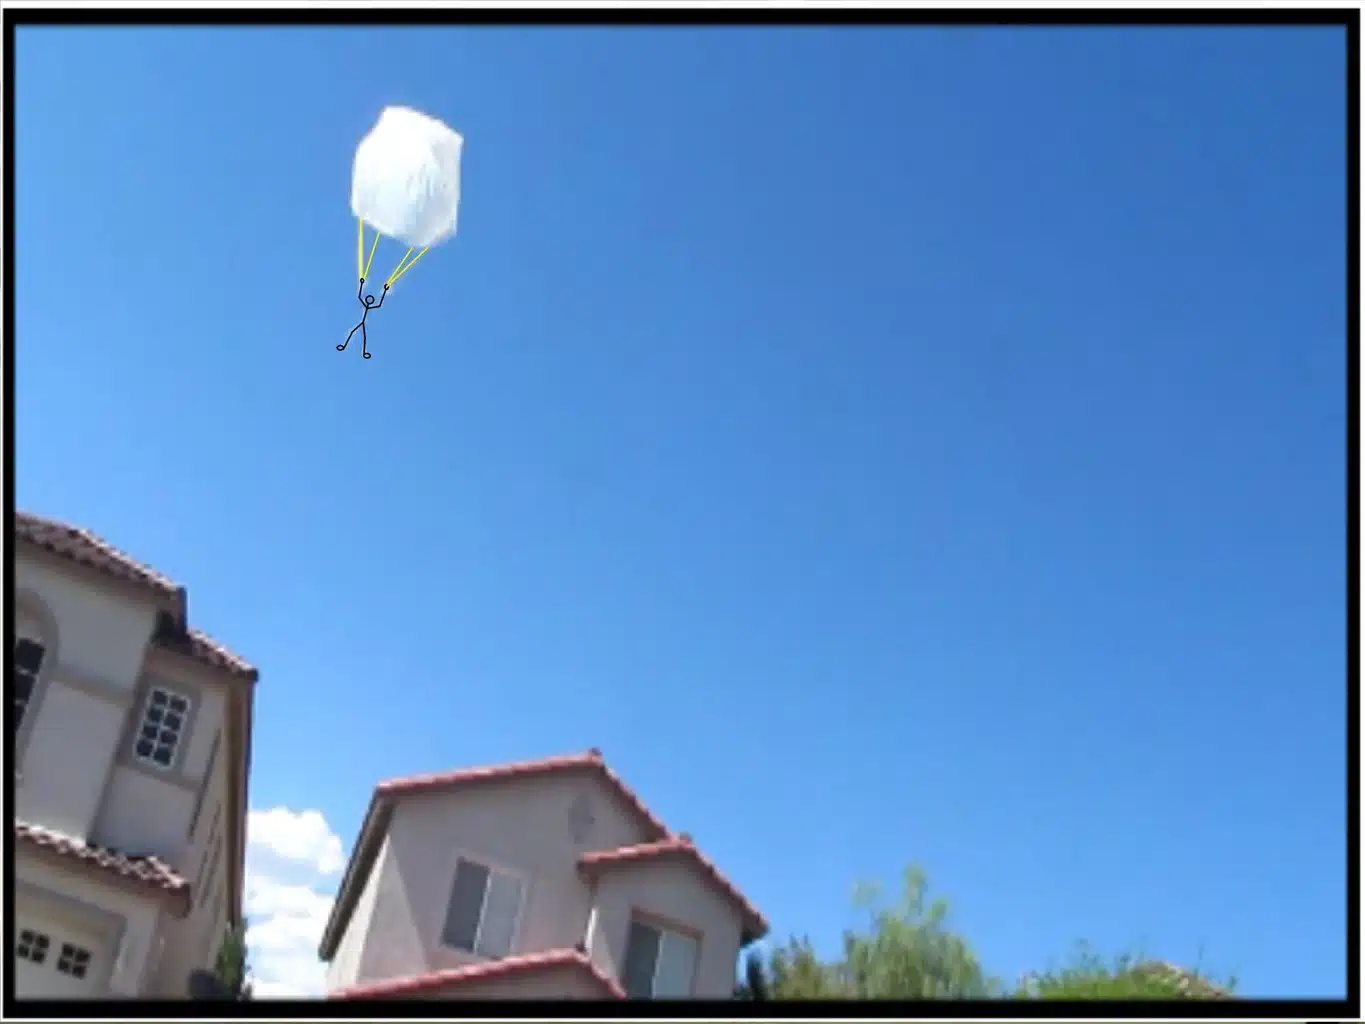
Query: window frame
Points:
[31, 617]
[662, 926]
[492, 868]
[182, 733]
[33, 946]
[79, 960]
[22, 636]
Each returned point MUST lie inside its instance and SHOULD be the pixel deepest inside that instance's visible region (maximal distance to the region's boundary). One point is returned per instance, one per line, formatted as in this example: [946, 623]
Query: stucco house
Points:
[131, 735]
[541, 879]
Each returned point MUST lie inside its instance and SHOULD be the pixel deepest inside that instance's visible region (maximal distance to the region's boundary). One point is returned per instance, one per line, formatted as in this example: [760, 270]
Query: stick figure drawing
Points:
[368, 302]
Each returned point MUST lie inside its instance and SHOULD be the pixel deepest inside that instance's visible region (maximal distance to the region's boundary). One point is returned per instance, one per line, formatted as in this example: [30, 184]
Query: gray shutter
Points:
[466, 903]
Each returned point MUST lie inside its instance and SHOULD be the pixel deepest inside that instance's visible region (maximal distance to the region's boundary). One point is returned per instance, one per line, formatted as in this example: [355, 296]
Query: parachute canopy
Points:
[406, 179]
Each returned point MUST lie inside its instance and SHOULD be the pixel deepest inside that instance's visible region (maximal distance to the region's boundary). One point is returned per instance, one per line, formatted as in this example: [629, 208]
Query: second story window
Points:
[163, 726]
[28, 662]
[481, 917]
[660, 963]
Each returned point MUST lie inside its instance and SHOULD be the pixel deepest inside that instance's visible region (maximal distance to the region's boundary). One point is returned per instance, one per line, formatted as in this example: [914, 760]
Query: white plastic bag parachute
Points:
[405, 184]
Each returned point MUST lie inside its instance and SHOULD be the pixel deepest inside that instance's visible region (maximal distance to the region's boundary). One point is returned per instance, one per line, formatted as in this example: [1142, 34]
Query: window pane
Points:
[28, 655]
[642, 950]
[499, 915]
[466, 901]
[677, 961]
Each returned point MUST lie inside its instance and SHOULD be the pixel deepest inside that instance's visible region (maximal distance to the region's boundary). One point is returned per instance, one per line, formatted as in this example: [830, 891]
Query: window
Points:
[73, 960]
[163, 725]
[28, 662]
[32, 946]
[660, 964]
[482, 915]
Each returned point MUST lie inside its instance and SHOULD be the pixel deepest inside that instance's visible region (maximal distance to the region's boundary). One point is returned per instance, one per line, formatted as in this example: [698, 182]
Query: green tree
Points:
[1090, 976]
[230, 965]
[905, 952]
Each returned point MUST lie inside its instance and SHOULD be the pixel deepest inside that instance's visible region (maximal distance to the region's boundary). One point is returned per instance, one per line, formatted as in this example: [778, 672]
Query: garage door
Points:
[53, 961]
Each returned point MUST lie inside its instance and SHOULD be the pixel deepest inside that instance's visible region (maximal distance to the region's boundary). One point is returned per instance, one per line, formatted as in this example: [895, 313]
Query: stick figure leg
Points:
[364, 342]
[358, 327]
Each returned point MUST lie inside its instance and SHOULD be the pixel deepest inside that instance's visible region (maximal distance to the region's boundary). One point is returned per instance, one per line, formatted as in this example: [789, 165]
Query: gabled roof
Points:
[145, 872]
[172, 634]
[530, 963]
[79, 546]
[679, 847]
[376, 823]
[590, 761]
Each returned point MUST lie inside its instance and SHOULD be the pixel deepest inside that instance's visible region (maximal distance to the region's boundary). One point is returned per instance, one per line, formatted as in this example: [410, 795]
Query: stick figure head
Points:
[369, 302]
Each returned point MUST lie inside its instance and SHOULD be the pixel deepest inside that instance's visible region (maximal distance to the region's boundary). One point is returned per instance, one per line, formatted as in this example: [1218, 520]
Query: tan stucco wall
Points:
[100, 637]
[130, 972]
[345, 966]
[521, 826]
[671, 892]
[71, 778]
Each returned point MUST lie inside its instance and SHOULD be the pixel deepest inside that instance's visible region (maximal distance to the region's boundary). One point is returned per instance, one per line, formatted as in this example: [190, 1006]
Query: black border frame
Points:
[356, 14]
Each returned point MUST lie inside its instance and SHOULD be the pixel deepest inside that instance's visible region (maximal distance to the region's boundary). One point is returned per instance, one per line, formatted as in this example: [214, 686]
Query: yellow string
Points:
[399, 273]
[366, 272]
[359, 248]
[396, 269]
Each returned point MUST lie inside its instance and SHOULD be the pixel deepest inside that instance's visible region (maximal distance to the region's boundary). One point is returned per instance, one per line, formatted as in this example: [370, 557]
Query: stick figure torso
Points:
[368, 302]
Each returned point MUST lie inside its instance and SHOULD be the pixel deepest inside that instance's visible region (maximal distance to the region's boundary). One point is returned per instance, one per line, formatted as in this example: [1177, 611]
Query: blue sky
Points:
[887, 446]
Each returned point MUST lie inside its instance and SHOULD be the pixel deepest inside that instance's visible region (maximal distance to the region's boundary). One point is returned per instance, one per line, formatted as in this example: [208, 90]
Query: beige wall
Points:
[346, 964]
[194, 940]
[522, 827]
[77, 774]
[45, 892]
[668, 892]
[95, 641]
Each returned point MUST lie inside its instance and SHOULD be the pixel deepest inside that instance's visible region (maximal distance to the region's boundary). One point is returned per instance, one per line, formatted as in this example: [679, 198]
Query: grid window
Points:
[73, 960]
[163, 726]
[32, 946]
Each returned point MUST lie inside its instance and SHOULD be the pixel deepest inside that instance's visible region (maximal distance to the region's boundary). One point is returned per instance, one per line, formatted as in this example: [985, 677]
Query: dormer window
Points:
[162, 728]
[661, 963]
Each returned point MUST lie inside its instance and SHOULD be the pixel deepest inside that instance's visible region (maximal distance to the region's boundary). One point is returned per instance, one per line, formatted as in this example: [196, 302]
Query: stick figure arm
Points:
[382, 296]
[360, 292]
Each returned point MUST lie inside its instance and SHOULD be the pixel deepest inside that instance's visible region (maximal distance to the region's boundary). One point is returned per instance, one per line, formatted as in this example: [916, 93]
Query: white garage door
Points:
[53, 961]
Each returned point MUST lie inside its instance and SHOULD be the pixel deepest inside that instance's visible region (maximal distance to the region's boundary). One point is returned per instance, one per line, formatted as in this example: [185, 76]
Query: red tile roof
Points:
[421, 984]
[198, 646]
[677, 846]
[591, 761]
[79, 545]
[146, 871]
[375, 825]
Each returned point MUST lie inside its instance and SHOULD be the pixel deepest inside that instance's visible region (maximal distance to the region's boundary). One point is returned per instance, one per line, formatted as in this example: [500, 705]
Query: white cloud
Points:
[292, 862]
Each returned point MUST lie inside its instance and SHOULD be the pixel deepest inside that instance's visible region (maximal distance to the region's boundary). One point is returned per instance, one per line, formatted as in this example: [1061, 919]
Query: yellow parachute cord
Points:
[360, 248]
[364, 273]
[400, 270]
